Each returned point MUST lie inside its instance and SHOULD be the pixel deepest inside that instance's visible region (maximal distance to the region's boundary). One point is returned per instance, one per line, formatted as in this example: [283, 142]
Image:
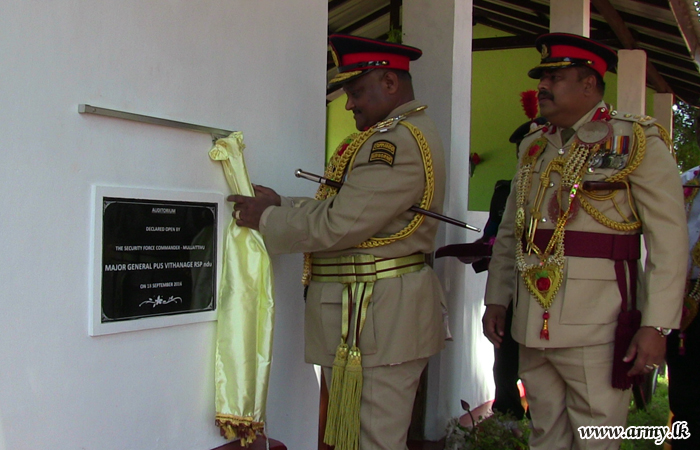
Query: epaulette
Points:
[642, 120]
[390, 123]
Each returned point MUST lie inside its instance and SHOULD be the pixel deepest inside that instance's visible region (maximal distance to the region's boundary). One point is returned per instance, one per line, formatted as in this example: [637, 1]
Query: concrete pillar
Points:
[429, 26]
[631, 81]
[442, 79]
[570, 16]
[663, 110]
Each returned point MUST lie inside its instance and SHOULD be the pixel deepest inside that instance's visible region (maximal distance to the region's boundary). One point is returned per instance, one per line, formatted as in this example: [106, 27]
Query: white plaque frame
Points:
[95, 325]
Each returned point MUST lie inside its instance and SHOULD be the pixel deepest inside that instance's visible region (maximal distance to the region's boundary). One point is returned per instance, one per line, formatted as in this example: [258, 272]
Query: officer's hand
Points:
[648, 349]
[494, 322]
[247, 210]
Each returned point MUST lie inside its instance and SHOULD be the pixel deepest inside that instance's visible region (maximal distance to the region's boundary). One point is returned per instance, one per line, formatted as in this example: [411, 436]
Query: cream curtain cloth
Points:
[245, 313]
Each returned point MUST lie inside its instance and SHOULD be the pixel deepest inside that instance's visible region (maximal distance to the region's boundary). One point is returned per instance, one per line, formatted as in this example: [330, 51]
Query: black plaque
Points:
[158, 258]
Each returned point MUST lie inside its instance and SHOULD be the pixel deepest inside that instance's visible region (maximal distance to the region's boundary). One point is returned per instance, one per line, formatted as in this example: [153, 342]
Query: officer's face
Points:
[564, 96]
[367, 99]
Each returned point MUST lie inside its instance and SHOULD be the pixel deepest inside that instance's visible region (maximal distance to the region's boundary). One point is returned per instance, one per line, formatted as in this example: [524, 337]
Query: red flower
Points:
[474, 159]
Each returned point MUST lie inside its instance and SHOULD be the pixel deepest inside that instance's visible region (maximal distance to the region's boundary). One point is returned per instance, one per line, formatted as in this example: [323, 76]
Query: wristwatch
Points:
[663, 332]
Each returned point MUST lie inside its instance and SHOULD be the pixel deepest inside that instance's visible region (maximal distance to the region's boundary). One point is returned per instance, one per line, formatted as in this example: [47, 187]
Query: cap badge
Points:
[545, 51]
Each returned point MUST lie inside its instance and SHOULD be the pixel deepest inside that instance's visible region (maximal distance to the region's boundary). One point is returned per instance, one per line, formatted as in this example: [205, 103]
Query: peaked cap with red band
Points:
[356, 55]
[560, 50]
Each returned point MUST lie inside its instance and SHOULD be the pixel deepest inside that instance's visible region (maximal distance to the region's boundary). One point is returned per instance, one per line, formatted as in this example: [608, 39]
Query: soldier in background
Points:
[683, 346]
[478, 254]
[505, 367]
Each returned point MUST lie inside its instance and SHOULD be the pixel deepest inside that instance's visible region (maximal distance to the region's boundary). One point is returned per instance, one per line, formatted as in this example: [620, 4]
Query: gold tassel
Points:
[349, 434]
[544, 333]
[232, 427]
[335, 394]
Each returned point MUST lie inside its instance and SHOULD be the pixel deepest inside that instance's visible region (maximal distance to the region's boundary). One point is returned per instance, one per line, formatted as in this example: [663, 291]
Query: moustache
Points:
[545, 95]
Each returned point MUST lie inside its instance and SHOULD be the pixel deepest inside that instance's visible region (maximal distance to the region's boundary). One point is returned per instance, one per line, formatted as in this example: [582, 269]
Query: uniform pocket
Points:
[331, 318]
[591, 293]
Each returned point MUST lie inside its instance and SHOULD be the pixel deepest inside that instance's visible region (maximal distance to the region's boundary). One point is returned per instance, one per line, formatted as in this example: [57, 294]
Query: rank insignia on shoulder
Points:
[642, 120]
[383, 151]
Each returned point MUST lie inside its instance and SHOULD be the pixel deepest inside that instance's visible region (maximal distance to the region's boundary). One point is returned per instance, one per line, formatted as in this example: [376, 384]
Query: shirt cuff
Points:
[264, 216]
[286, 201]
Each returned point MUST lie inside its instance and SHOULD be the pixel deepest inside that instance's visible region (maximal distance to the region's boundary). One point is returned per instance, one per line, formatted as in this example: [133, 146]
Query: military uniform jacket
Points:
[404, 320]
[585, 309]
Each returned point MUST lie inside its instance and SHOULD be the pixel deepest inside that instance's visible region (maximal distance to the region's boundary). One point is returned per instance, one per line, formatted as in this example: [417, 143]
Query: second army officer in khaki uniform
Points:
[567, 251]
[373, 308]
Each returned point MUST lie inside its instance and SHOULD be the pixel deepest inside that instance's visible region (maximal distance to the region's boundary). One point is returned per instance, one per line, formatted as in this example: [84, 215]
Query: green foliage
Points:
[685, 140]
[504, 432]
[655, 414]
[395, 35]
[497, 432]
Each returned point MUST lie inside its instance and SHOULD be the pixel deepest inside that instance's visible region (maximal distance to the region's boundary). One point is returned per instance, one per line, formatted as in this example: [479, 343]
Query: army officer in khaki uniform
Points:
[588, 183]
[373, 308]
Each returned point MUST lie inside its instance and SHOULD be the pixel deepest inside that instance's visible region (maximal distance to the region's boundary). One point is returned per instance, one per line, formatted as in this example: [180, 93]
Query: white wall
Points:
[251, 65]
[442, 79]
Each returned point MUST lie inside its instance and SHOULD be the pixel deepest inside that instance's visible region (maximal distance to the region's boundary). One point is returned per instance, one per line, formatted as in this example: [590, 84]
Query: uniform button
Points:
[561, 151]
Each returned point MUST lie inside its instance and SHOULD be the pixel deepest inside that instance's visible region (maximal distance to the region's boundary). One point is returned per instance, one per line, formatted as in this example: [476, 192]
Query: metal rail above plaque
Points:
[156, 255]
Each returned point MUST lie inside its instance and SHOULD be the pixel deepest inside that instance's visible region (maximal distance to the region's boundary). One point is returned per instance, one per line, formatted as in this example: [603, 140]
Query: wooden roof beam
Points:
[612, 17]
[503, 43]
